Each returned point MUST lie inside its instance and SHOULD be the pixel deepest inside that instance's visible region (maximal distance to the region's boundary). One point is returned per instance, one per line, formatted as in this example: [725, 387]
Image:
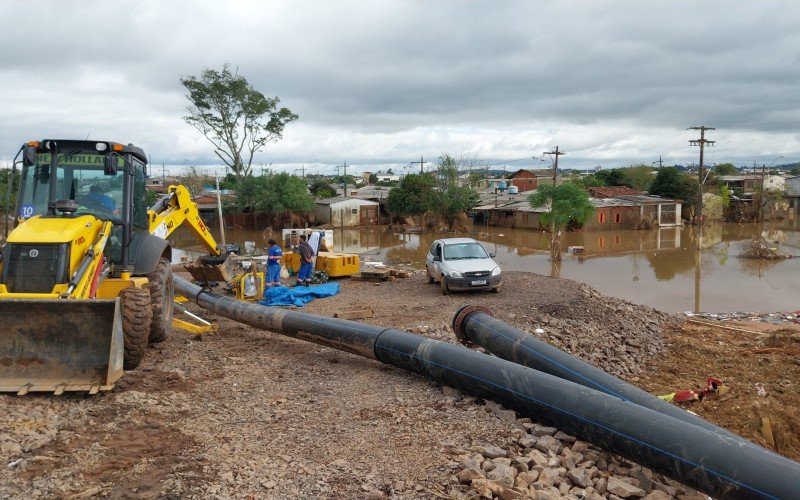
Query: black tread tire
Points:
[162, 296]
[443, 285]
[430, 277]
[213, 260]
[136, 317]
[496, 289]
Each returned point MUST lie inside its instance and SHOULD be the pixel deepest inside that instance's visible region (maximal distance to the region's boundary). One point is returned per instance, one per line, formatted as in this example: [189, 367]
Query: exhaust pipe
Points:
[475, 325]
[707, 461]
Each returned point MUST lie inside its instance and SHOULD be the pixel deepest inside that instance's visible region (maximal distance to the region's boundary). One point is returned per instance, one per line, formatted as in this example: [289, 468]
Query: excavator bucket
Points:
[60, 345]
[207, 269]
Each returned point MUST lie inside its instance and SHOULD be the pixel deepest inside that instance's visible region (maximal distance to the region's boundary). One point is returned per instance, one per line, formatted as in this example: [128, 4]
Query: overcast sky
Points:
[377, 82]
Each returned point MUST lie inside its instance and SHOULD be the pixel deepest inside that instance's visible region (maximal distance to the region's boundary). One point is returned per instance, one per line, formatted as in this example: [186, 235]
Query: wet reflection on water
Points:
[662, 268]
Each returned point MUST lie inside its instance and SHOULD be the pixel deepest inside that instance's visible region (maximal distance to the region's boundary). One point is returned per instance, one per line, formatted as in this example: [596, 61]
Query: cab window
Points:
[139, 215]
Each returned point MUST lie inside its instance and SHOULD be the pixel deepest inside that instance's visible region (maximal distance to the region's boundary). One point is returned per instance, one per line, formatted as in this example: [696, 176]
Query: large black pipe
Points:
[476, 325]
[705, 460]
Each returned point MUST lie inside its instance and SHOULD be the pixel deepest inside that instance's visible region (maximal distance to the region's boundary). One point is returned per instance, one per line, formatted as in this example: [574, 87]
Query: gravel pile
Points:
[613, 334]
[543, 462]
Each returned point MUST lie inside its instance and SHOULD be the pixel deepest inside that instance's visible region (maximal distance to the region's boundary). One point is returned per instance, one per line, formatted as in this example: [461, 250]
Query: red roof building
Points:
[525, 180]
[611, 191]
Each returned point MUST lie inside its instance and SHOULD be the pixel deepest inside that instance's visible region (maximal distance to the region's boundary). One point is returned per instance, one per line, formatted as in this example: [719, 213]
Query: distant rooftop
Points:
[612, 191]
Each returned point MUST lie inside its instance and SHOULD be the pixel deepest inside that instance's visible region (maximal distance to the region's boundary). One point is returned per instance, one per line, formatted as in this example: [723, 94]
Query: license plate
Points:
[478, 282]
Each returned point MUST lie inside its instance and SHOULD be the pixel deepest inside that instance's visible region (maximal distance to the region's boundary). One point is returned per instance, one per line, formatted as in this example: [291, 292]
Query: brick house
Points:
[613, 213]
[525, 180]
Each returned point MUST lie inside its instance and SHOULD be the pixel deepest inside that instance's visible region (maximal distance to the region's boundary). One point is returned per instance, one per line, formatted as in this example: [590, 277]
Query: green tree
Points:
[450, 198]
[476, 179]
[591, 180]
[228, 182]
[725, 169]
[273, 193]
[639, 177]
[668, 183]
[725, 192]
[344, 180]
[613, 177]
[373, 179]
[412, 196]
[5, 177]
[321, 189]
[235, 117]
[671, 183]
[569, 204]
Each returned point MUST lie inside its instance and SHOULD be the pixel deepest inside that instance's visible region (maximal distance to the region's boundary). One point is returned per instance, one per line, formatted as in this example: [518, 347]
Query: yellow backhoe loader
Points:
[85, 276]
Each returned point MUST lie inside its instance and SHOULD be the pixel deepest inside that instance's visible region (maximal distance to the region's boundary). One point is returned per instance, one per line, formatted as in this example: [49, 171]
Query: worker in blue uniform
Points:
[274, 256]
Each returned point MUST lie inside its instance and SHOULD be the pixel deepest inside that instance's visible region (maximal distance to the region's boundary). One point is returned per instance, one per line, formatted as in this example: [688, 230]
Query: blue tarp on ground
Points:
[285, 296]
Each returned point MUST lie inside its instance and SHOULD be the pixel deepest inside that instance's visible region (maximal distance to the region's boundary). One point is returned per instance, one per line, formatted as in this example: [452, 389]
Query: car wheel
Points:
[443, 284]
[430, 278]
[496, 289]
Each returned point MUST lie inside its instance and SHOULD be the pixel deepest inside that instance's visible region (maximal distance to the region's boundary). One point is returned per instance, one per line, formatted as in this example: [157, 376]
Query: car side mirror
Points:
[492, 255]
[436, 258]
[110, 165]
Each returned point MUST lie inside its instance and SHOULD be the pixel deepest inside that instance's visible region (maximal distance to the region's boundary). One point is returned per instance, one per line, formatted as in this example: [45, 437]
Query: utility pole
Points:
[163, 178]
[344, 167]
[422, 163]
[700, 176]
[660, 162]
[556, 153]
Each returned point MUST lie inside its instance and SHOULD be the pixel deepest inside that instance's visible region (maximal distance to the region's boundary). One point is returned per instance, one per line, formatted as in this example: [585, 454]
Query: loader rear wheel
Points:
[162, 296]
[136, 317]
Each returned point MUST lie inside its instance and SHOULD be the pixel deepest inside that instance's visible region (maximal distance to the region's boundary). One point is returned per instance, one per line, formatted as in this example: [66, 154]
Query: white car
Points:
[462, 264]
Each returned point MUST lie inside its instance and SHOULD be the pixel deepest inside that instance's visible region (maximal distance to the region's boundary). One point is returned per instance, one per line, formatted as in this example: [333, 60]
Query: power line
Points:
[509, 161]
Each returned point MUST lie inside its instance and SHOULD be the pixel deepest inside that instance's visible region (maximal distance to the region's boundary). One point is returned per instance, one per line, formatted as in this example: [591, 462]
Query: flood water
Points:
[660, 268]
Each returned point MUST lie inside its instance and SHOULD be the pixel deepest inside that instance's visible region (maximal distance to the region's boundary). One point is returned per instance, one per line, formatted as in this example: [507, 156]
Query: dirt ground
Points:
[247, 413]
[758, 355]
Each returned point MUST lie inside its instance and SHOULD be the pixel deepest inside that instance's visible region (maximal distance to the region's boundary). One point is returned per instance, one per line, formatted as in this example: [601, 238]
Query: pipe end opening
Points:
[461, 318]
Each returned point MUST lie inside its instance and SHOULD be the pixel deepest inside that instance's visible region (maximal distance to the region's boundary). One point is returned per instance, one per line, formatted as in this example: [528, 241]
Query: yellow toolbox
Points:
[338, 264]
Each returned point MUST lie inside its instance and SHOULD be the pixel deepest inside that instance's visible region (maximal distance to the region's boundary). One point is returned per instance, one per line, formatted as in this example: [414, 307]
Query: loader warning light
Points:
[33, 143]
[118, 147]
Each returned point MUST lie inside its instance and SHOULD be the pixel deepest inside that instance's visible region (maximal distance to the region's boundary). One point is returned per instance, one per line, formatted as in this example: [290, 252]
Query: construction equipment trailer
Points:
[85, 276]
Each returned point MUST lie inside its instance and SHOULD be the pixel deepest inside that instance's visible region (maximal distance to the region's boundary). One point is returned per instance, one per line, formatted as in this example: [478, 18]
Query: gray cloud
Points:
[387, 81]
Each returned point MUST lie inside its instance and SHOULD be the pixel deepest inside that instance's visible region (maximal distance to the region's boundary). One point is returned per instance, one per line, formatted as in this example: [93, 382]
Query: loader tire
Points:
[136, 317]
[162, 296]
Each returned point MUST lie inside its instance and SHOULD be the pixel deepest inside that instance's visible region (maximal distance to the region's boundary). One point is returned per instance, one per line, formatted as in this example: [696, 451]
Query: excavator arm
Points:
[175, 208]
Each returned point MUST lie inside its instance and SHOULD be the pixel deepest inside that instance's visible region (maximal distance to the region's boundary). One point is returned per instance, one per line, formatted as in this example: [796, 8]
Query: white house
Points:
[774, 183]
[346, 212]
[384, 177]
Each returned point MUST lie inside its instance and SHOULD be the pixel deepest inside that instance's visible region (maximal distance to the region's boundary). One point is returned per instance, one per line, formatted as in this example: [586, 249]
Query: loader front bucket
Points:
[60, 345]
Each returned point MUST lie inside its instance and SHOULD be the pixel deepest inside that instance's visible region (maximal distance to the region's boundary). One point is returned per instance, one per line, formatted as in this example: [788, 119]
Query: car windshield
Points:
[79, 177]
[458, 251]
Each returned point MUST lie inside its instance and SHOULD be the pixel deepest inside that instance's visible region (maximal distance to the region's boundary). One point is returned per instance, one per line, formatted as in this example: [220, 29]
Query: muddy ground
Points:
[249, 413]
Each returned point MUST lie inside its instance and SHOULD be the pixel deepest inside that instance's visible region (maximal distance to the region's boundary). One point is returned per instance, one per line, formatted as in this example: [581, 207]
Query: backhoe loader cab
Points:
[82, 233]
[67, 180]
